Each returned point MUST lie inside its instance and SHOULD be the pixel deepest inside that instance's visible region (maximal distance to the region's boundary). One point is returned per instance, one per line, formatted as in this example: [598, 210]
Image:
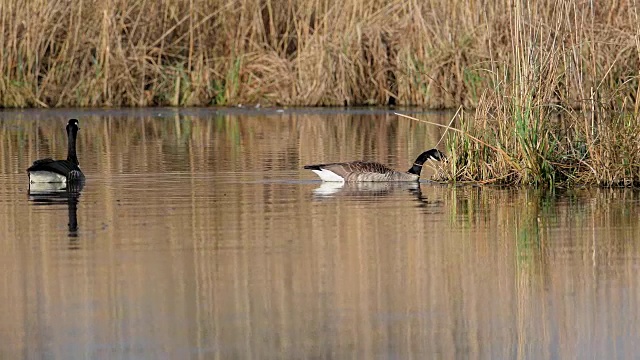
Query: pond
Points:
[199, 235]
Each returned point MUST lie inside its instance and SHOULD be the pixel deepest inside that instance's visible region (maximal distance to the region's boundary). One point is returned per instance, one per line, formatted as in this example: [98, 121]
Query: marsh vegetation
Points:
[550, 88]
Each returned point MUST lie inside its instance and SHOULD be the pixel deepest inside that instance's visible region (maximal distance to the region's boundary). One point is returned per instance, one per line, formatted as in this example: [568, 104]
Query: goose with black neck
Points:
[363, 171]
[59, 171]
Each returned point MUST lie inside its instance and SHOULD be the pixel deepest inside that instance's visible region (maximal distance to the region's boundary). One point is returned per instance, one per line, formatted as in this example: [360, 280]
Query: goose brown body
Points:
[364, 171]
[360, 171]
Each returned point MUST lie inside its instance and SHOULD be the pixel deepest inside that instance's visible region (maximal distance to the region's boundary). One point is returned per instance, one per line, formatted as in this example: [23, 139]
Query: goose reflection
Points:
[332, 189]
[375, 190]
[46, 194]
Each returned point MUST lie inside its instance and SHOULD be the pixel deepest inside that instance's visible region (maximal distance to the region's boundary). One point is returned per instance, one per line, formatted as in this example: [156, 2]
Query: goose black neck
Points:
[72, 133]
[416, 168]
[433, 154]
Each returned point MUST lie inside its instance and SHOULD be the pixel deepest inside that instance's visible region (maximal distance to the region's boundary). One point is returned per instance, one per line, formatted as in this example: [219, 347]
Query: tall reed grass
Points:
[562, 108]
[553, 84]
[437, 54]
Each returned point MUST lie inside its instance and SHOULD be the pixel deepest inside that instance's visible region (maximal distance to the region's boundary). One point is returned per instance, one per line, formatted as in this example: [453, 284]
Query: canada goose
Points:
[359, 171]
[59, 171]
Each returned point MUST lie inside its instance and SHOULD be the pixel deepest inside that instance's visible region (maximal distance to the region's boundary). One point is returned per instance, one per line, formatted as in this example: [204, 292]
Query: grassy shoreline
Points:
[549, 90]
[437, 54]
[527, 131]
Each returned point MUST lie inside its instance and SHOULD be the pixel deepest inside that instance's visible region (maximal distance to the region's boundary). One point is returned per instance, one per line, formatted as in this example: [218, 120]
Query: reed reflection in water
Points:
[198, 235]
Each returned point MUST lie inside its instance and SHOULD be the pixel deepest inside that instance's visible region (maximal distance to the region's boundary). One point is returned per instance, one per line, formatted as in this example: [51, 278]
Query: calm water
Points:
[198, 235]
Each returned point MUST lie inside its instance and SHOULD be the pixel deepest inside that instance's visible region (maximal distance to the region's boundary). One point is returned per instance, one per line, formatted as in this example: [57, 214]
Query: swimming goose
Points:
[59, 171]
[360, 171]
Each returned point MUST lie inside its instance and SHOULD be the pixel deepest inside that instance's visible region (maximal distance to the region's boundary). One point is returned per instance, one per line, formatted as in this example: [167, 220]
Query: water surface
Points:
[198, 235]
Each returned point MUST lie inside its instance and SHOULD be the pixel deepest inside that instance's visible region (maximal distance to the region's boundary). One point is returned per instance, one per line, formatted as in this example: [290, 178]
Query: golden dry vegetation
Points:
[549, 88]
[307, 52]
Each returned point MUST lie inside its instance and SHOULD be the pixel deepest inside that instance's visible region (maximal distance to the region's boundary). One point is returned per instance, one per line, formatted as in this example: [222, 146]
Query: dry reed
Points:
[437, 54]
[553, 84]
[562, 107]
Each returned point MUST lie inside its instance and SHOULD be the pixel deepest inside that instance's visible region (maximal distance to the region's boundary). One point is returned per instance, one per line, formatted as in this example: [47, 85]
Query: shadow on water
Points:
[48, 194]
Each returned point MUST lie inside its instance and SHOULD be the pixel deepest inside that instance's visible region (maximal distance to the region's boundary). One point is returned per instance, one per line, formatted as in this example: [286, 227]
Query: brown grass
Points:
[306, 52]
[562, 107]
